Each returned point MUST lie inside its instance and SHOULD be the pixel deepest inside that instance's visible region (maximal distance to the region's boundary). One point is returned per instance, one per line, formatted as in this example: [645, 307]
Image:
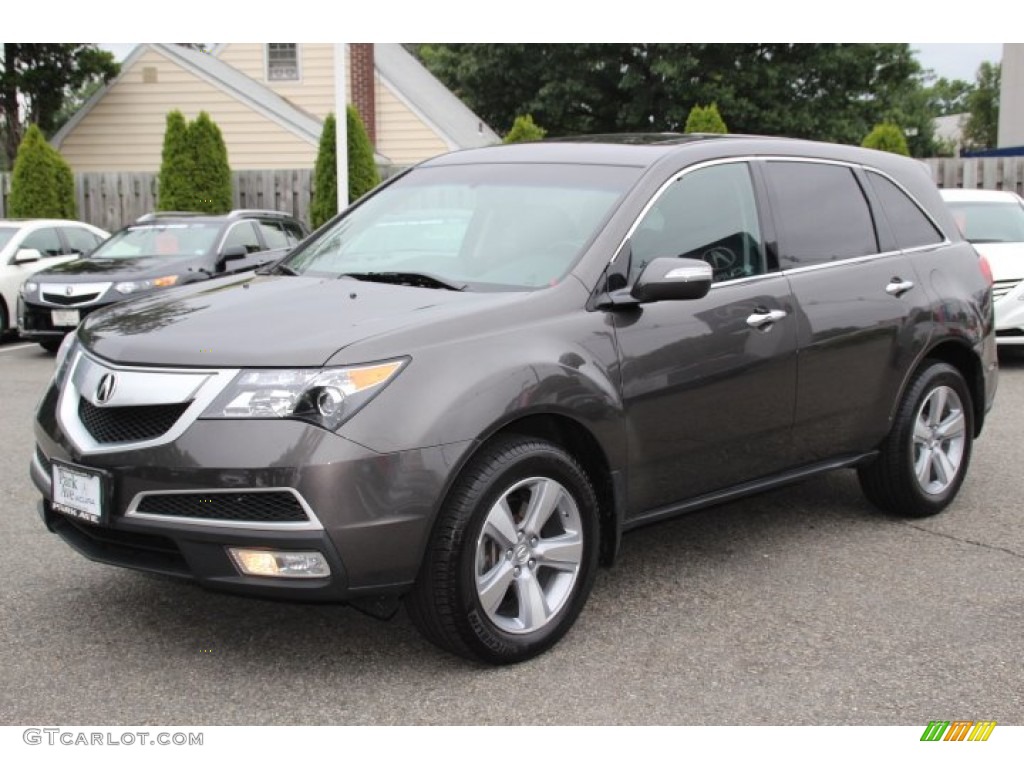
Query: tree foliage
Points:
[42, 185]
[830, 92]
[524, 129]
[325, 175]
[982, 128]
[888, 138]
[362, 168]
[37, 80]
[194, 170]
[705, 120]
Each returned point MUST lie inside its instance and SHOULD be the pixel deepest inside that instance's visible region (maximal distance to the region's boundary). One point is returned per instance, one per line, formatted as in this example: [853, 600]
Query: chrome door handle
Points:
[898, 287]
[762, 319]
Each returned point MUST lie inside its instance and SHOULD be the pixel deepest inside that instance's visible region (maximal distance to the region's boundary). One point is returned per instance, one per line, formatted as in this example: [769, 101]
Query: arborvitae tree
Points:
[211, 174]
[705, 120]
[524, 129]
[362, 170]
[175, 165]
[325, 175]
[42, 185]
[888, 138]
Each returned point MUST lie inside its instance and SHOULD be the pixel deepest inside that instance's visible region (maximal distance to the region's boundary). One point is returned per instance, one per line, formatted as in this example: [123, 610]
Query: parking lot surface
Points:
[799, 606]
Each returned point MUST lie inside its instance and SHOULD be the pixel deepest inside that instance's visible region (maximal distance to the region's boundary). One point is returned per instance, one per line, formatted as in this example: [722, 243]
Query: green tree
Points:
[211, 175]
[982, 128]
[524, 129]
[831, 92]
[38, 79]
[362, 169]
[705, 120]
[325, 175]
[888, 138]
[176, 165]
[42, 185]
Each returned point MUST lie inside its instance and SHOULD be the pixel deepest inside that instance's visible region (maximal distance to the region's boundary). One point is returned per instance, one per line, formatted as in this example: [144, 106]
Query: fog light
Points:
[281, 565]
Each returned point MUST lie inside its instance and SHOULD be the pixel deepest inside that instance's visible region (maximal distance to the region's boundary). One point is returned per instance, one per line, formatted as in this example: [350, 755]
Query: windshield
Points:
[485, 227]
[6, 233]
[990, 222]
[177, 239]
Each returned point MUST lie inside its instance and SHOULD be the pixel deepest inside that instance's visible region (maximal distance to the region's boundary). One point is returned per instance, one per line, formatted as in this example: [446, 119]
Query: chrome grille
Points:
[1002, 287]
[131, 423]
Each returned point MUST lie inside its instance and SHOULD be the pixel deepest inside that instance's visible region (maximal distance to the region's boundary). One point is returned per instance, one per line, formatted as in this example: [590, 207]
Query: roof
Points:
[225, 77]
[979, 196]
[458, 125]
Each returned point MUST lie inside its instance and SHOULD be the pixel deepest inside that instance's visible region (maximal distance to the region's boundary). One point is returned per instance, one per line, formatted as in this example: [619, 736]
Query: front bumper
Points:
[35, 321]
[369, 514]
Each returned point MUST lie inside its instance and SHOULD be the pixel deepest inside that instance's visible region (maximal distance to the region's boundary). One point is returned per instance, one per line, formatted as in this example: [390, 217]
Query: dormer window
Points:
[282, 61]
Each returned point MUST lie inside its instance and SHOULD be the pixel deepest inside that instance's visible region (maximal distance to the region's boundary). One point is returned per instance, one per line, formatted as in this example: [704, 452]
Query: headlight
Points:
[327, 397]
[65, 355]
[144, 285]
[28, 288]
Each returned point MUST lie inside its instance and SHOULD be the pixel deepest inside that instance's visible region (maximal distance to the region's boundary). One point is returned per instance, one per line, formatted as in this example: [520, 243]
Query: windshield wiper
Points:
[281, 269]
[416, 279]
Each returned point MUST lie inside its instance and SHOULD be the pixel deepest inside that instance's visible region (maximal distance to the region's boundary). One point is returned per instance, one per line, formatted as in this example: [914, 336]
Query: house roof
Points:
[227, 78]
[460, 127]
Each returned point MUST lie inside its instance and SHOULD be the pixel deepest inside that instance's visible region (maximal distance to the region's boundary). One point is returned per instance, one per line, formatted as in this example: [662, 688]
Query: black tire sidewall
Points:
[488, 640]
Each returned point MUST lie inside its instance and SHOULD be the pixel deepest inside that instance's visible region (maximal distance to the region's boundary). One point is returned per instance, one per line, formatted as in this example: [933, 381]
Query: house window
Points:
[282, 61]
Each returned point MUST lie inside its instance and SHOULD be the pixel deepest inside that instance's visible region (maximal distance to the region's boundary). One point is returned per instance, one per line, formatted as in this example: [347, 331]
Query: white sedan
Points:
[29, 245]
[993, 221]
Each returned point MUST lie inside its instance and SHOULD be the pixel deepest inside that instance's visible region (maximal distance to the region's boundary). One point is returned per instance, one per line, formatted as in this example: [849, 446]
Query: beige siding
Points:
[313, 91]
[402, 136]
[124, 131]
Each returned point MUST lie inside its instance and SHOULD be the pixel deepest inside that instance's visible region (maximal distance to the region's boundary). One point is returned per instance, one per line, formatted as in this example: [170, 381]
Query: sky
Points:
[954, 61]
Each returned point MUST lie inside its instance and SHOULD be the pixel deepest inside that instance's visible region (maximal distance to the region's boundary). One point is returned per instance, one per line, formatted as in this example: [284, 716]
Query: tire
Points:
[513, 554]
[923, 461]
[50, 346]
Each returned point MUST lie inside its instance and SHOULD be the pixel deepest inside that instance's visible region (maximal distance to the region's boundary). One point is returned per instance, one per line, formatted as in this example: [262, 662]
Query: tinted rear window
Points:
[911, 227]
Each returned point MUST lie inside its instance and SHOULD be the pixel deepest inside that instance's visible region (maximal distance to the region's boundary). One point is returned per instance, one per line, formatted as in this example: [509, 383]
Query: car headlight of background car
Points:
[326, 397]
[28, 288]
[133, 286]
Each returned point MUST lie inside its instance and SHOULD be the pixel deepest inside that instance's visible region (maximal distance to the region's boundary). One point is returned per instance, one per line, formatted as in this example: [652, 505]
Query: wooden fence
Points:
[111, 200]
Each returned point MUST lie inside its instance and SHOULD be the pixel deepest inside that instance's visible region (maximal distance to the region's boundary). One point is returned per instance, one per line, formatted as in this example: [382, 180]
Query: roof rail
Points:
[241, 213]
[154, 215]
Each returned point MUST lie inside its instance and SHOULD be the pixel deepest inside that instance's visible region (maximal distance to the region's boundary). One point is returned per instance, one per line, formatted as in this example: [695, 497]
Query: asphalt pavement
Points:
[799, 606]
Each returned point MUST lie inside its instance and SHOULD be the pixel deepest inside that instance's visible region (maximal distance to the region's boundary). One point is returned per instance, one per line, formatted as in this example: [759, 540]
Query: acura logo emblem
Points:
[68, 291]
[106, 388]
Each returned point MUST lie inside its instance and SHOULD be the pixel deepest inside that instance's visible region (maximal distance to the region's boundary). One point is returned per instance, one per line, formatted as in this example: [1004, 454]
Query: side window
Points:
[80, 240]
[911, 227]
[821, 212]
[273, 235]
[707, 214]
[293, 231]
[46, 241]
[243, 233]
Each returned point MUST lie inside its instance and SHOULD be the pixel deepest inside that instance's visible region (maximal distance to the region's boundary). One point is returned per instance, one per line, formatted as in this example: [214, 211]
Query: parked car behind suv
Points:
[467, 386]
[158, 251]
[29, 245]
[993, 221]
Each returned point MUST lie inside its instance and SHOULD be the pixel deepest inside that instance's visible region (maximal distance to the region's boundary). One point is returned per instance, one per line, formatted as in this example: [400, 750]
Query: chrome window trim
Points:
[214, 381]
[311, 524]
[773, 158]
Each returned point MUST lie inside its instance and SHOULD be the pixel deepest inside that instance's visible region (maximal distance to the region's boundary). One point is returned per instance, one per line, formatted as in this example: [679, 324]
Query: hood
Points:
[1006, 259]
[265, 320]
[141, 268]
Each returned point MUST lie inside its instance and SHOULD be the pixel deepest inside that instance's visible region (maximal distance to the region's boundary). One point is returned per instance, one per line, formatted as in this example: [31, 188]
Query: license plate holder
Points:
[65, 318]
[80, 492]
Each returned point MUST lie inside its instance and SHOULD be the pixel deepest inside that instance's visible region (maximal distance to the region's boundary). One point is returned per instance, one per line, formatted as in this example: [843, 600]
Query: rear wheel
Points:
[923, 461]
[513, 556]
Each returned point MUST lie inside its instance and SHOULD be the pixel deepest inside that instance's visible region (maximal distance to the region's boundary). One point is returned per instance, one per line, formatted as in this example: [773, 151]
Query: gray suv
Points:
[465, 388]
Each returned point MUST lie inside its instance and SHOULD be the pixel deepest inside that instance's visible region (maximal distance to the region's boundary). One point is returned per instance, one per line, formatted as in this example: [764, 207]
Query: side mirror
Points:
[27, 256]
[668, 279]
[233, 253]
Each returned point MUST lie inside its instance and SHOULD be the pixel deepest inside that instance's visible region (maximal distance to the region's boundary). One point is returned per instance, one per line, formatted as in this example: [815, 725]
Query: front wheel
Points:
[513, 555]
[923, 461]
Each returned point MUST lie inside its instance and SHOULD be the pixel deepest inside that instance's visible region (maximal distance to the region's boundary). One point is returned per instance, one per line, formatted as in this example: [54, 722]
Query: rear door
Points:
[861, 309]
[708, 385]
